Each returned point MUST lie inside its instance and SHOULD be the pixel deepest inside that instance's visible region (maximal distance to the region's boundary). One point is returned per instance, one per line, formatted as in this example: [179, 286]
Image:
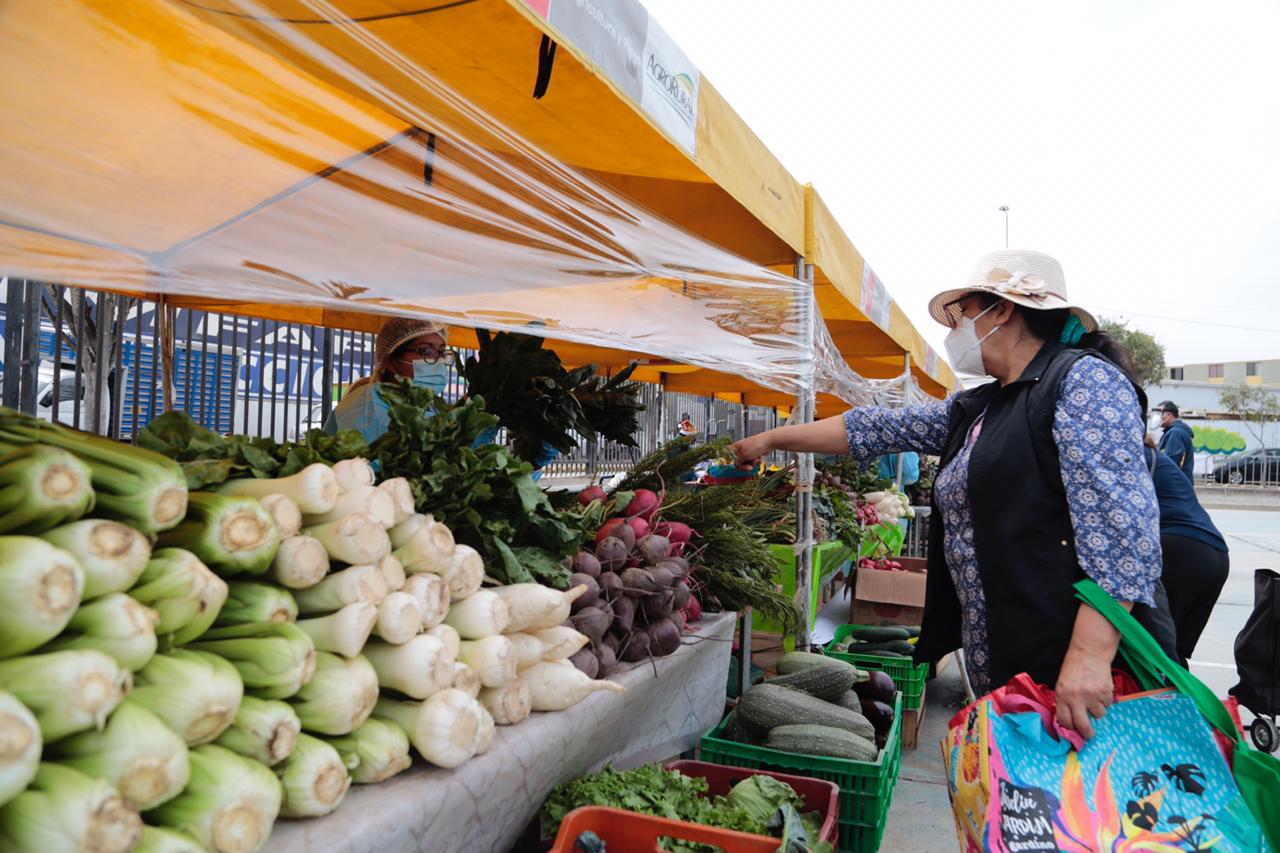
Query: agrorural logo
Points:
[678, 88]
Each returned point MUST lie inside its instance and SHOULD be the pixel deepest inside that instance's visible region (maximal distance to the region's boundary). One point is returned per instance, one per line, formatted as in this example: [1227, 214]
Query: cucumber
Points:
[879, 633]
[766, 706]
[808, 739]
[825, 682]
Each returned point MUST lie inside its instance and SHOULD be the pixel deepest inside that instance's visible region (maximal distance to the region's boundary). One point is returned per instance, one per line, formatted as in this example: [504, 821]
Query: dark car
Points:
[1256, 466]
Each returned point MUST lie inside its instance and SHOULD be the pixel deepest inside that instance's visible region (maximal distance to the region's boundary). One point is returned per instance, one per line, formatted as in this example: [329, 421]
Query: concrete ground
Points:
[920, 816]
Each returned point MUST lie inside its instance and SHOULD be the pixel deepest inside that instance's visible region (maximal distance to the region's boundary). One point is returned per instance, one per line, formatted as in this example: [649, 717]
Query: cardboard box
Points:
[911, 723]
[889, 598]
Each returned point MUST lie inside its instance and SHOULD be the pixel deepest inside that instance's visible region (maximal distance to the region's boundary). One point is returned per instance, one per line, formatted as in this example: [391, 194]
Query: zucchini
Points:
[879, 633]
[796, 661]
[766, 706]
[736, 731]
[808, 739]
[825, 682]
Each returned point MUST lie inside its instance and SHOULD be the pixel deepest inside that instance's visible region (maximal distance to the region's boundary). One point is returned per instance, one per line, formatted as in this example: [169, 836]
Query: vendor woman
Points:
[412, 349]
[1041, 483]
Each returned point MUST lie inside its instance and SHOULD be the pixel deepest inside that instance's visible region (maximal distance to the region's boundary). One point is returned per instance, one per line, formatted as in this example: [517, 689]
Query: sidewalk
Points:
[1214, 496]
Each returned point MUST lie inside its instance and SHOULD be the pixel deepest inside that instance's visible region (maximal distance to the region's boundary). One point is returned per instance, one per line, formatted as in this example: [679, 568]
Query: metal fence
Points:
[109, 364]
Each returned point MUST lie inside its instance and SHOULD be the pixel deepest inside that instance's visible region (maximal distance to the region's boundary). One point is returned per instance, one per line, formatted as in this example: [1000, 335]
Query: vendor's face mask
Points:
[964, 347]
[433, 376]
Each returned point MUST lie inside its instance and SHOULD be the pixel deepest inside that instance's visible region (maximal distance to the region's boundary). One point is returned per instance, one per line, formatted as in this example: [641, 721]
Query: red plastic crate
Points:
[628, 832]
[819, 795]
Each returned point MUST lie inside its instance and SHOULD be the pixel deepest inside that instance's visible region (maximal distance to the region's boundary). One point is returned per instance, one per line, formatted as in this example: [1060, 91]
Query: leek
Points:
[301, 562]
[256, 602]
[171, 585]
[115, 624]
[111, 554]
[432, 595]
[352, 585]
[196, 694]
[156, 839]
[313, 489]
[68, 691]
[209, 601]
[417, 668]
[136, 753]
[42, 487]
[20, 745]
[229, 805]
[494, 658]
[132, 484]
[481, 615]
[466, 679]
[285, 513]
[344, 632]
[392, 572]
[448, 636]
[351, 474]
[375, 503]
[265, 730]
[40, 588]
[355, 539]
[443, 729]
[65, 809]
[231, 534]
[399, 618]
[340, 697]
[401, 494]
[429, 549]
[374, 752]
[314, 778]
[464, 572]
[403, 532]
[486, 733]
[274, 659]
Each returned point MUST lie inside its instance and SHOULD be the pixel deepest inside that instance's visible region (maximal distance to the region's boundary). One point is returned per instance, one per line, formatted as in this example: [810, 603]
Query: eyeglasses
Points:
[954, 309]
[429, 354]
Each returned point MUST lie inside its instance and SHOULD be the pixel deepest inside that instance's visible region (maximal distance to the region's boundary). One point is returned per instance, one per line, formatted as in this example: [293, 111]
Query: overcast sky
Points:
[1138, 142]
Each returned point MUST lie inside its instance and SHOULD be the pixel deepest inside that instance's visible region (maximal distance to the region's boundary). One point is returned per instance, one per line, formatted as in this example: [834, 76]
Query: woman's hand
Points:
[1085, 689]
[750, 450]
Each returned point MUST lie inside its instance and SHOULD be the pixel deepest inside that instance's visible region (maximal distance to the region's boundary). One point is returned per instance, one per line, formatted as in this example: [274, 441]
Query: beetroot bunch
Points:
[639, 595]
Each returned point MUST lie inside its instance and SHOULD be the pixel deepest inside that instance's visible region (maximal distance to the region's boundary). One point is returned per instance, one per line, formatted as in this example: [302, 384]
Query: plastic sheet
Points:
[288, 152]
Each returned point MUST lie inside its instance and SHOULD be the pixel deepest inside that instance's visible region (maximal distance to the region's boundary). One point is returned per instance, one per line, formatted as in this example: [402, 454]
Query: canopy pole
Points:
[805, 403]
[906, 401]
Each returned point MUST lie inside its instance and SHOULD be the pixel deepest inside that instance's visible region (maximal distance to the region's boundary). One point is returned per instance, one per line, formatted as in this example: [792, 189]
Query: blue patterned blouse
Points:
[1098, 429]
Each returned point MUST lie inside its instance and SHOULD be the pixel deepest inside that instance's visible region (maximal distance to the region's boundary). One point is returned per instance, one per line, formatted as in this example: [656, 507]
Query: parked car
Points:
[1255, 466]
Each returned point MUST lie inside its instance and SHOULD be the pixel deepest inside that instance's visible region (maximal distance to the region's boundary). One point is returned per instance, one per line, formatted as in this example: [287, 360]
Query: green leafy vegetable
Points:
[612, 406]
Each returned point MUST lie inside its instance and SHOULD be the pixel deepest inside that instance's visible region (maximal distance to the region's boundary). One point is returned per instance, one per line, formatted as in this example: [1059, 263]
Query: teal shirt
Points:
[362, 409]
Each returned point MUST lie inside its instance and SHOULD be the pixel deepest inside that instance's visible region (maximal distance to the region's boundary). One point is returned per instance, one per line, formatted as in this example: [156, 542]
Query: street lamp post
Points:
[1004, 208]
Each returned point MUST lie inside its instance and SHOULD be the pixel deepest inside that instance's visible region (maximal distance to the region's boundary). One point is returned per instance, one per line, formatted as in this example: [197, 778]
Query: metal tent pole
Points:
[805, 310]
[906, 401]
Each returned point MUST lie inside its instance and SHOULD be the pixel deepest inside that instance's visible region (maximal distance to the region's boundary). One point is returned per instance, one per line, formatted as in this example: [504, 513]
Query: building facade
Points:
[1263, 372]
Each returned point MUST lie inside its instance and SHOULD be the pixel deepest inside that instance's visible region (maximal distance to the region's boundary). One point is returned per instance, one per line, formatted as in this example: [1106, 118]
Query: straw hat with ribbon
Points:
[1031, 279]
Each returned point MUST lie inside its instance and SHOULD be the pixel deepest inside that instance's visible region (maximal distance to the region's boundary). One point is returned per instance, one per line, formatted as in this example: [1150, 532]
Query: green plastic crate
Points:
[866, 787]
[906, 674]
[828, 559]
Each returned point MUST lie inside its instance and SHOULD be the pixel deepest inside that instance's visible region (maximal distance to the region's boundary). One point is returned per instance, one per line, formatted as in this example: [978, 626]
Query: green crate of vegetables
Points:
[828, 558]
[866, 787]
[881, 640]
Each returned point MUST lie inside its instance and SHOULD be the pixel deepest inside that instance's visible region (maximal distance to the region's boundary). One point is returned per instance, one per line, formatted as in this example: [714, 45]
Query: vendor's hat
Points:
[398, 331]
[1032, 279]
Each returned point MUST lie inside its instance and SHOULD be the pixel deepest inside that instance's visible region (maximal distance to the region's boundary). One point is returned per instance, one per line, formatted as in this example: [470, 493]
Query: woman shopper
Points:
[1041, 483]
[1196, 560]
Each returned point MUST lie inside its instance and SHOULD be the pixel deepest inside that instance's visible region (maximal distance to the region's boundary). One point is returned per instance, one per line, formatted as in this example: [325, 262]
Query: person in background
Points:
[888, 468]
[686, 427]
[1177, 442]
[1041, 484]
[408, 348]
[1196, 559]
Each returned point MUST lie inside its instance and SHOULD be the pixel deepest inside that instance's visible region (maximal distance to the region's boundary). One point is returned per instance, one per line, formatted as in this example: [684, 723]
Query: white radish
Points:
[493, 658]
[432, 595]
[301, 562]
[448, 636]
[556, 685]
[429, 549]
[528, 648]
[443, 729]
[486, 733]
[392, 573]
[349, 586]
[355, 538]
[464, 573]
[399, 618]
[401, 494]
[509, 704]
[313, 489]
[481, 615]
[345, 632]
[532, 605]
[417, 668]
[285, 513]
[560, 642]
[466, 679]
[351, 474]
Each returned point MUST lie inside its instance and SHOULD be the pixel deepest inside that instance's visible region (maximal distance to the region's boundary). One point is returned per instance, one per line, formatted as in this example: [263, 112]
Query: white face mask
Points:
[964, 347]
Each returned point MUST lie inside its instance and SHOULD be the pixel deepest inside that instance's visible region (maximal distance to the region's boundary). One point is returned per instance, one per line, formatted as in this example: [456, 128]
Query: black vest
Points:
[1022, 533]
